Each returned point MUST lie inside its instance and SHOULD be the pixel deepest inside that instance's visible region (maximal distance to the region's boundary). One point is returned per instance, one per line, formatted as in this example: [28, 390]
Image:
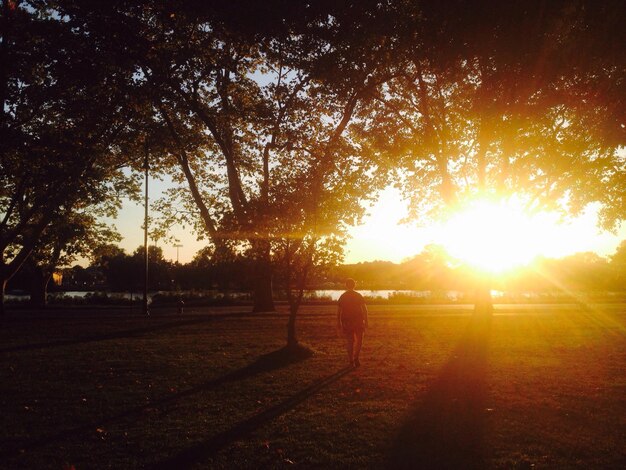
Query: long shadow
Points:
[265, 363]
[135, 332]
[446, 429]
[205, 449]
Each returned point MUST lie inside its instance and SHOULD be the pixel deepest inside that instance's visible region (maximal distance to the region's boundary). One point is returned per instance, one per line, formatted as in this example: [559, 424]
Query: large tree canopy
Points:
[276, 119]
[65, 125]
[501, 100]
[254, 117]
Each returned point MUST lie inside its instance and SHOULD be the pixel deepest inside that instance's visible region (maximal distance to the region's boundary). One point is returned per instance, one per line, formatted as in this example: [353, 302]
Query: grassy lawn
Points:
[535, 387]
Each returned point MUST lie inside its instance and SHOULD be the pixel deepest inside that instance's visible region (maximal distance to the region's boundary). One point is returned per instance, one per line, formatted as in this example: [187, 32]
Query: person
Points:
[352, 320]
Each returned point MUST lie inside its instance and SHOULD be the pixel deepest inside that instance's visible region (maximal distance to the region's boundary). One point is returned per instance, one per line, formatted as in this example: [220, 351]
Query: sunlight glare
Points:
[496, 236]
[493, 236]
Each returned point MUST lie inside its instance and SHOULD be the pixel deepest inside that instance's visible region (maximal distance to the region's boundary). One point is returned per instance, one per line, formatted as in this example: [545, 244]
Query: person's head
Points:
[350, 283]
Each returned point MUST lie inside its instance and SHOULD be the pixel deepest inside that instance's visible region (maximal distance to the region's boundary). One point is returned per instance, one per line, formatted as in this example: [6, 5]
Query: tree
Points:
[61, 243]
[245, 103]
[431, 269]
[619, 257]
[257, 118]
[299, 257]
[618, 267]
[65, 128]
[502, 99]
[121, 272]
[79, 278]
[223, 268]
[259, 130]
[160, 270]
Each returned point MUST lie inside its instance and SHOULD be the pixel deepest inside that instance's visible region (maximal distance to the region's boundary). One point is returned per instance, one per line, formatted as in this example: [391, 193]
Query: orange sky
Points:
[380, 237]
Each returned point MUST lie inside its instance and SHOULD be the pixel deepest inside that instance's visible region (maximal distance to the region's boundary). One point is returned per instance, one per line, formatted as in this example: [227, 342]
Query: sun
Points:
[495, 236]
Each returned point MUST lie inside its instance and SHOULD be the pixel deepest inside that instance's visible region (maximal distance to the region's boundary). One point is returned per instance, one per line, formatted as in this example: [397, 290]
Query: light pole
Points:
[146, 311]
[177, 246]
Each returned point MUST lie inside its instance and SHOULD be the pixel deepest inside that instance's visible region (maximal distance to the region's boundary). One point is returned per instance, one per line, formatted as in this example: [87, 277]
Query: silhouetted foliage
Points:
[431, 271]
[64, 123]
[277, 119]
[502, 99]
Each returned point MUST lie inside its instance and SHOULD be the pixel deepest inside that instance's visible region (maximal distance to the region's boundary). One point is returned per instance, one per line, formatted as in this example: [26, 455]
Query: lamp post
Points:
[177, 246]
[146, 311]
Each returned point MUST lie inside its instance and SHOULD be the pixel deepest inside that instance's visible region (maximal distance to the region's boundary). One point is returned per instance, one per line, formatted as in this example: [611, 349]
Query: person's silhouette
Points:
[352, 320]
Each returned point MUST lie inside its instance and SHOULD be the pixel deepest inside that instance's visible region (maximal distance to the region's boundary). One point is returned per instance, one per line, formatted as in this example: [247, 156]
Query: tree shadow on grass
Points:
[132, 333]
[274, 360]
[446, 430]
[278, 359]
[205, 449]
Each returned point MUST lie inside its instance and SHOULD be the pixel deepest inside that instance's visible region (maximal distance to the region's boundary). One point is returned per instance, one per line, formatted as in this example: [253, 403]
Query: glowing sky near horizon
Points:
[382, 237]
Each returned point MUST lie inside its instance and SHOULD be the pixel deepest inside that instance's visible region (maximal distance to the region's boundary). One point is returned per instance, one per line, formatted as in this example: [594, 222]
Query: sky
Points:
[381, 236]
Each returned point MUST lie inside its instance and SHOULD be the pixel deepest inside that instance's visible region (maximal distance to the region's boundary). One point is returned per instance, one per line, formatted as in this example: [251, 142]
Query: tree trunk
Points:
[4, 280]
[39, 288]
[3, 286]
[483, 302]
[262, 294]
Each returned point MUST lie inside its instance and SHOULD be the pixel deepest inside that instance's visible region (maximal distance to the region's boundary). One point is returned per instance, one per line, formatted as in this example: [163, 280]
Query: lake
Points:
[332, 294]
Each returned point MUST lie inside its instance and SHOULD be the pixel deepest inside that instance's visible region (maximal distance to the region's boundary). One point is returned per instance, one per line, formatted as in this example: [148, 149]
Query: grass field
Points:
[534, 387]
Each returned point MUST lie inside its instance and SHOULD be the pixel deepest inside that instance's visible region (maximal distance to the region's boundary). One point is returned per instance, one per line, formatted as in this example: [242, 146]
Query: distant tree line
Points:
[114, 270]
[433, 270]
[580, 272]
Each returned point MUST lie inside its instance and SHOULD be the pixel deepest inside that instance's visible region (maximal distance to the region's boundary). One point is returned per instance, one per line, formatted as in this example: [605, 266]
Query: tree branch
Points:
[181, 157]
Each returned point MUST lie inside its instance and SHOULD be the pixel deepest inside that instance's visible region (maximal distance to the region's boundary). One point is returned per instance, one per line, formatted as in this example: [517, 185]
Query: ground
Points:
[540, 386]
